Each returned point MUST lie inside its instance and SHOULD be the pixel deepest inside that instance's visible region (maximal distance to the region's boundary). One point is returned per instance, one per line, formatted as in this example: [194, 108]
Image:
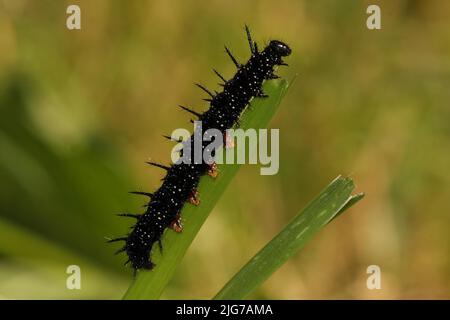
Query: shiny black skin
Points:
[182, 179]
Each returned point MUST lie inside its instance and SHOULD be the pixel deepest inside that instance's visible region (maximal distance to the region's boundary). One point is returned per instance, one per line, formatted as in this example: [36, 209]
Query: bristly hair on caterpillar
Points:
[180, 183]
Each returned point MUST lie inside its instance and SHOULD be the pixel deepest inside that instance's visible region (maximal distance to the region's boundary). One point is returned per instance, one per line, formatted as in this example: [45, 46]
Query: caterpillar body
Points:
[180, 183]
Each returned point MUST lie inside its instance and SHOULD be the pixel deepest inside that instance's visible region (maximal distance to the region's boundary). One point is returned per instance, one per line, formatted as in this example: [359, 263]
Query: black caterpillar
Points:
[180, 183]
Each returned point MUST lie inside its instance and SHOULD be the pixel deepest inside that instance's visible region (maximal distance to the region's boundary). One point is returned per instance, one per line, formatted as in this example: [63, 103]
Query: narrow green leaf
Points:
[331, 202]
[150, 284]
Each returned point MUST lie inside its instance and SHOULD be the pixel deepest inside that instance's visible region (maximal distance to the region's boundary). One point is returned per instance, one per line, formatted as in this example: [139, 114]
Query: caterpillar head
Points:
[280, 48]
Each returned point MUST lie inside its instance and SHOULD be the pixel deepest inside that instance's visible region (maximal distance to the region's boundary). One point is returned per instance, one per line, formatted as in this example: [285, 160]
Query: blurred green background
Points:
[80, 112]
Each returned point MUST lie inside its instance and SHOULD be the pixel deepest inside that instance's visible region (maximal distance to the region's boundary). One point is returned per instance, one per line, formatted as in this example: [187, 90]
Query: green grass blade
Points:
[331, 202]
[150, 284]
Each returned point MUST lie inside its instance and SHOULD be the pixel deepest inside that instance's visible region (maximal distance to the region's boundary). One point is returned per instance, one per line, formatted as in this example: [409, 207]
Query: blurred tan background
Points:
[80, 112]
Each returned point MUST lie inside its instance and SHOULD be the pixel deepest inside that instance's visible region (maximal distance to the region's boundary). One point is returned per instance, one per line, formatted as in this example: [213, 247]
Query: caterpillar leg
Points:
[193, 198]
[261, 94]
[175, 225]
[213, 172]
[273, 76]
